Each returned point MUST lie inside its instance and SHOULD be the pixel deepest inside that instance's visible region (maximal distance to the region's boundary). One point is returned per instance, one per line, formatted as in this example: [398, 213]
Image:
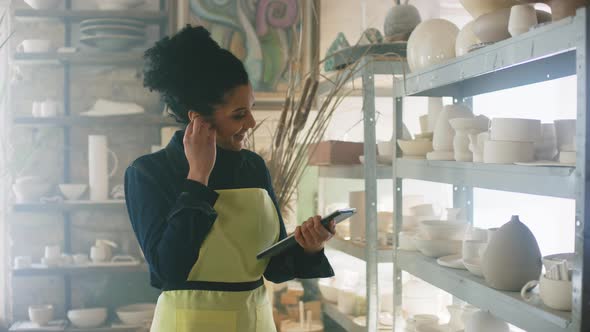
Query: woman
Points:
[203, 207]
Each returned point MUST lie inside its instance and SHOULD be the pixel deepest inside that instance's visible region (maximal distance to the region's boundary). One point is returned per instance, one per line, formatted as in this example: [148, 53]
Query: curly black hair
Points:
[192, 72]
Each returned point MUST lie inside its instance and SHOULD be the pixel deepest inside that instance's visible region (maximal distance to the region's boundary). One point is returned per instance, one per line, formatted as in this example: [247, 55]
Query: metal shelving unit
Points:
[69, 17]
[553, 51]
[352, 172]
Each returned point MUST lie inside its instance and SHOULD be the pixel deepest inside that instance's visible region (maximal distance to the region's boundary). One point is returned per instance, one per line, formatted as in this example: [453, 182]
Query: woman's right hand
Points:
[200, 150]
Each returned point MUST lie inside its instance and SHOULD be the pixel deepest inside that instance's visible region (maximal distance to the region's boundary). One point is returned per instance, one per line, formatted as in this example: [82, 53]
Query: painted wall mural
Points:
[259, 32]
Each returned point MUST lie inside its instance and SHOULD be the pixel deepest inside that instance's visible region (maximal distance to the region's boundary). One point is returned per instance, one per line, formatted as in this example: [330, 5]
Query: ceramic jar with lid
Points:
[512, 257]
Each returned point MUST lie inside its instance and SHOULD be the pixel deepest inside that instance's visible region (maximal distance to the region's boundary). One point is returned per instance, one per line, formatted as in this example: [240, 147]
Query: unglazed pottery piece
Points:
[400, 21]
[483, 321]
[432, 42]
[443, 132]
[480, 7]
[516, 130]
[463, 128]
[512, 257]
[560, 8]
[465, 39]
[522, 18]
[492, 27]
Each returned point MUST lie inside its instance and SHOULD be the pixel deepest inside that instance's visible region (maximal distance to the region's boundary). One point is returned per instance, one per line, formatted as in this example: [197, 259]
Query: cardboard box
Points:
[336, 153]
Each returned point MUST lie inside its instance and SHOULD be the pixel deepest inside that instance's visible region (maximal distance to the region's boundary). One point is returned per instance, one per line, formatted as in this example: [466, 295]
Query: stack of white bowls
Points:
[512, 141]
[112, 34]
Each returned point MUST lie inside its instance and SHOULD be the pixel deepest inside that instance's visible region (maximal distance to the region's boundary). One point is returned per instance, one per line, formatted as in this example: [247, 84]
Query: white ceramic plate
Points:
[452, 261]
[118, 4]
[113, 21]
[473, 266]
[107, 29]
[112, 43]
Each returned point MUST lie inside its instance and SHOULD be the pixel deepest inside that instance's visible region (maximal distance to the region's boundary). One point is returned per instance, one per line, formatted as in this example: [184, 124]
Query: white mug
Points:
[98, 254]
[52, 252]
[556, 294]
[22, 262]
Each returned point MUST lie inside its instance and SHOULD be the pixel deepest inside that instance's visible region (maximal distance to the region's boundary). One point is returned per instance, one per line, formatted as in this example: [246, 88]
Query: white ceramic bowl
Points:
[88, 318]
[415, 148]
[432, 42]
[112, 43]
[506, 152]
[492, 27]
[105, 29]
[72, 191]
[478, 124]
[30, 189]
[41, 314]
[329, 292]
[515, 130]
[473, 266]
[437, 248]
[43, 4]
[136, 314]
[385, 148]
[479, 7]
[118, 4]
[465, 39]
[444, 230]
[406, 241]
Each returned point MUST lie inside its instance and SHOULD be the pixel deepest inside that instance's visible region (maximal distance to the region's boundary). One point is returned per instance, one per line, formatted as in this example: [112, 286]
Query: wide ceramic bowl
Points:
[30, 189]
[112, 21]
[415, 148]
[432, 42]
[492, 27]
[480, 7]
[516, 130]
[105, 29]
[385, 148]
[136, 314]
[72, 191]
[444, 230]
[112, 43]
[465, 40]
[508, 152]
[88, 318]
[329, 291]
[43, 4]
[437, 248]
[118, 4]
[41, 314]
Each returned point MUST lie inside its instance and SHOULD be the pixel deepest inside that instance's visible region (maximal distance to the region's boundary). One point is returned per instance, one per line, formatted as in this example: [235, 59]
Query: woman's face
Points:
[233, 119]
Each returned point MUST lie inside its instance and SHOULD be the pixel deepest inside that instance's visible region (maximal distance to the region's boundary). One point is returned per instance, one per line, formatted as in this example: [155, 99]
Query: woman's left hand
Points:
[312, 235]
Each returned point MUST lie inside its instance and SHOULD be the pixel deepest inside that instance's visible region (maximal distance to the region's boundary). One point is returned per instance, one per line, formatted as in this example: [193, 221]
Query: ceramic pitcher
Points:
[98, 169]
[512, 257]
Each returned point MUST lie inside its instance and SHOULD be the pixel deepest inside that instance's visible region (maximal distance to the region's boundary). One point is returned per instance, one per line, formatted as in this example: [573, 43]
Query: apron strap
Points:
[215, 286]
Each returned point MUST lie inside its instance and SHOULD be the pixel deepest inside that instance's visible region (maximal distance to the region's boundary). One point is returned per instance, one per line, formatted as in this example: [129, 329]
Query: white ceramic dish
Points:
[88, 318]
[432, 42]
[112, 43]
[505, 152]
[72, 191]
[473, 266]
[43, 4]
[105, 29]
[452, 261]
[30, 189]
[118, 4]
[437, 248]
[41, 314]
[136, 314]
[444, 230]
[515, 130]
[415, 148]
[441, 155]
[113, 21]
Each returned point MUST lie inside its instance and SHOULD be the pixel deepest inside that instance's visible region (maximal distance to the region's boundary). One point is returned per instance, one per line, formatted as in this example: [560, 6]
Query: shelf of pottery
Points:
[80, 182]
[506, 48]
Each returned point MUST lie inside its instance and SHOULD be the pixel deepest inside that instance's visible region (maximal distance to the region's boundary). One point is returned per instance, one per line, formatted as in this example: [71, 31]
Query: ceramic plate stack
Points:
[112, 34]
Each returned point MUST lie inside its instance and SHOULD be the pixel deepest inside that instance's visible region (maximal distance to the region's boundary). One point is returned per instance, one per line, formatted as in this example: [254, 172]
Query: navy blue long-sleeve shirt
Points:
[171, 215]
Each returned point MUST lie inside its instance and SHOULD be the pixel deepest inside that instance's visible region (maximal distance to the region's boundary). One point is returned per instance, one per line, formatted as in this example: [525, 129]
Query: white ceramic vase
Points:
[98, 169]
[512, 257]
[463, 128]
[443, 132]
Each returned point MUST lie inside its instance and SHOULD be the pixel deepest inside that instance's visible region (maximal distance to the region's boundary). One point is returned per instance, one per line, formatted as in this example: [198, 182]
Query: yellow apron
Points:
[247, 222]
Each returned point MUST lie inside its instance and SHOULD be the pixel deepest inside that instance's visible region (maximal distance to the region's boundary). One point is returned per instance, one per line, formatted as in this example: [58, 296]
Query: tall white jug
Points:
[98, 168]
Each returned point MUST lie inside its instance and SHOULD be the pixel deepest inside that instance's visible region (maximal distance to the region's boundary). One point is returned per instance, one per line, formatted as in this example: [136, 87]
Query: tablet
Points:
[288, 242]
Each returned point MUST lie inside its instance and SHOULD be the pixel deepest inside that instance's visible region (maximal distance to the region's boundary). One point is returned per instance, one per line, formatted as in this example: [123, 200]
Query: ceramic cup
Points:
[522, 18]
[491, 232]
[52, 252]
[473, 249]
[556, 294]
[22, 262]
[80, 259]
[98, 254]
[41, 314]
[565, 131]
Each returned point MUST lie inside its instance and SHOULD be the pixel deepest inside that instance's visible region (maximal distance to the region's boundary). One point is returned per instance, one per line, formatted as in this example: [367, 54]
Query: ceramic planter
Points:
[512, 257]
[432, 42]
[400, 21]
